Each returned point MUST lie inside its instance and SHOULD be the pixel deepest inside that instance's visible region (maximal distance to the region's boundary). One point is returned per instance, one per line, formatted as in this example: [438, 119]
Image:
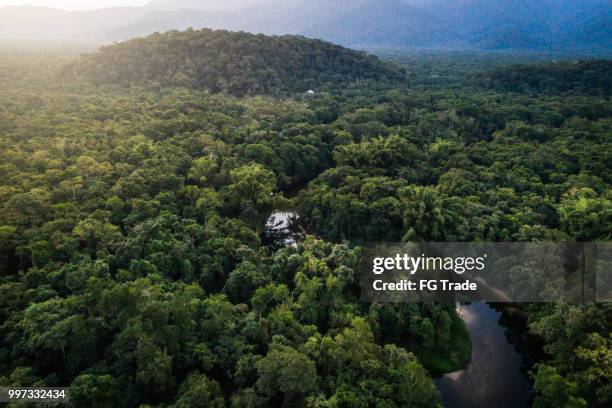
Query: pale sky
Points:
[74, 4]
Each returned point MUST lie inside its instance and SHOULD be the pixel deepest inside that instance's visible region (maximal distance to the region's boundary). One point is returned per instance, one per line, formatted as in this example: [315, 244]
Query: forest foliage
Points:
[590, 77]
[237, 63]
[134, 262]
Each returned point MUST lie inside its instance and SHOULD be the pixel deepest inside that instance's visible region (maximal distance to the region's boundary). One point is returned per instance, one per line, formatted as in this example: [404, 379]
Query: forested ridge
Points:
[231, 62]
[135, 266]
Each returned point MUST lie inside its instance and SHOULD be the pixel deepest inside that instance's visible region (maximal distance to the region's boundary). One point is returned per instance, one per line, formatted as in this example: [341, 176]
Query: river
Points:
[495, 375]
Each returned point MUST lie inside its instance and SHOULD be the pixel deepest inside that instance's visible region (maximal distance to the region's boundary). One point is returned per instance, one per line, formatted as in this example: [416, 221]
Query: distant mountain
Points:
[231, 62]
[375, 23]
[160, 21]
[206, 5]
[527, 24]
[534, 25]
[346, 22]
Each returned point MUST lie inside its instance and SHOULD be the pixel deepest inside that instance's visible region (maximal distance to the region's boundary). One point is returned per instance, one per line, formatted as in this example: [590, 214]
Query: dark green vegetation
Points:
[440, 362]
[585, 77]
[132, 264]
[235, 63]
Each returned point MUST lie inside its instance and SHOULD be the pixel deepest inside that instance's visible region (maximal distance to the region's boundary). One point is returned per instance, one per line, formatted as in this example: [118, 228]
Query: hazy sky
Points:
[74, 4]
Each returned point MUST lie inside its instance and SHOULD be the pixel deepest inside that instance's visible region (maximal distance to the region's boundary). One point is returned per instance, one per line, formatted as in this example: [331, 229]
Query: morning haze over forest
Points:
[564, 26]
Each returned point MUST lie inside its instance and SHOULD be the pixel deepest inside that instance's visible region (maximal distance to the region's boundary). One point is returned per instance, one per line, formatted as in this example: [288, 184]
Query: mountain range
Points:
[535, 25]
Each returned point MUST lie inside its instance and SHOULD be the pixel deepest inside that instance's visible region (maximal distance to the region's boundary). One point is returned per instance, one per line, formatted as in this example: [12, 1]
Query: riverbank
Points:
[438, 363]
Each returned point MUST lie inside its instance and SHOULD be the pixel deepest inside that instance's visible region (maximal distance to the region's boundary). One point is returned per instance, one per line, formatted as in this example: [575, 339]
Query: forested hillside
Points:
[234, 63]
[135, 265]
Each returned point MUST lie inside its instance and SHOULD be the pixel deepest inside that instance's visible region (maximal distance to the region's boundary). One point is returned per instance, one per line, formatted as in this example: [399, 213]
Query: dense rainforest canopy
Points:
[235, 63]
[134, 262]
[593, 77]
